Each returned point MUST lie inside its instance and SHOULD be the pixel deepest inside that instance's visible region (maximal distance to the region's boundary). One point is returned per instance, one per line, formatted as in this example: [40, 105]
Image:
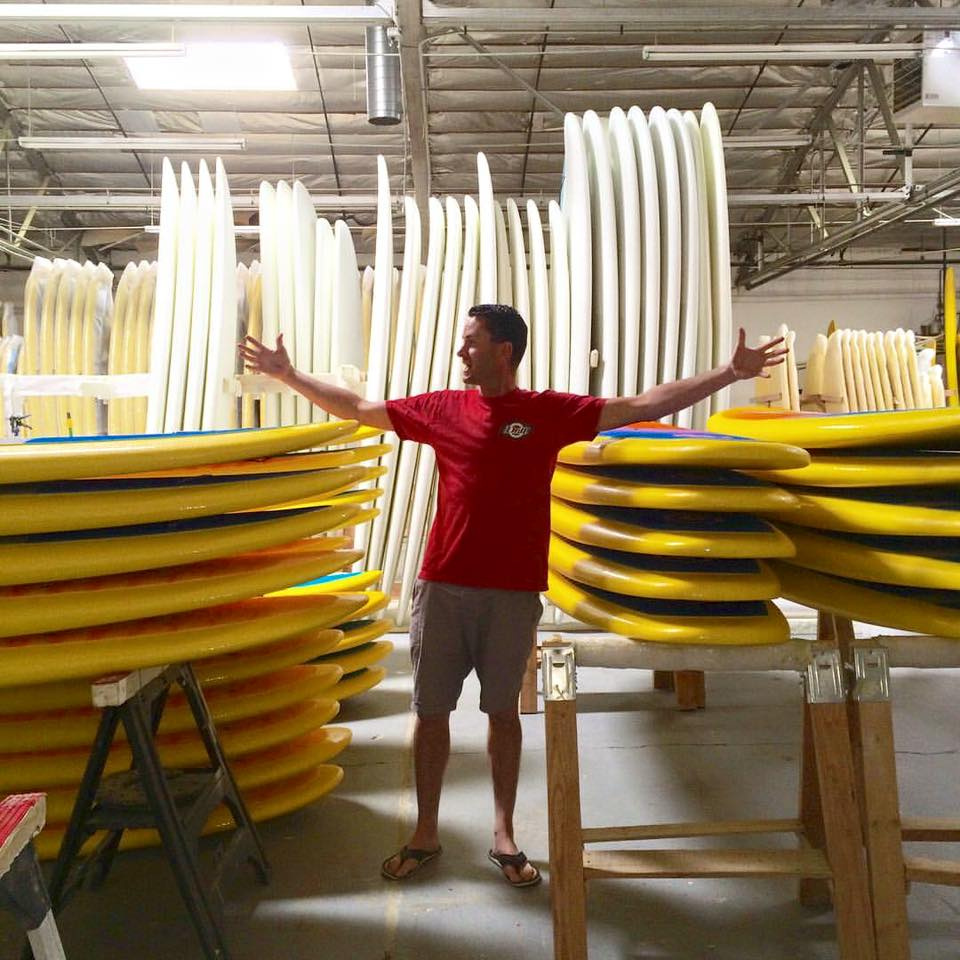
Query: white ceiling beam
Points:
[415, 112]
[690, 17]
[381, 13]
[102, 201]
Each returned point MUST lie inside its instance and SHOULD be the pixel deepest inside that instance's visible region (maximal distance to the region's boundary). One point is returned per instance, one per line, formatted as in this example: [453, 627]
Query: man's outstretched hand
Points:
[259, 358]
[748, 362]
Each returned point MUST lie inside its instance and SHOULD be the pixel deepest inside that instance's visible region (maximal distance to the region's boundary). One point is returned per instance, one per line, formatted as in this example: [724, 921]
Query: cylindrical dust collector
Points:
[384, 104]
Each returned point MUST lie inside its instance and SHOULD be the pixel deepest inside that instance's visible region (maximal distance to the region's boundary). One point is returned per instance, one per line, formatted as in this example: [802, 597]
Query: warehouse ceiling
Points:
[496, 79]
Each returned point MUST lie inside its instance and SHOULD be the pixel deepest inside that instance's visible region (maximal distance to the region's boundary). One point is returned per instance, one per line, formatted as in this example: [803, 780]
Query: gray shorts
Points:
[455, 629]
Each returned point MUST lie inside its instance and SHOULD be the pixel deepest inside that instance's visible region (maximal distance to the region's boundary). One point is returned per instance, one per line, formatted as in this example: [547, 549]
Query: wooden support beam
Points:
[663, 831]
[664, 864]
[945, 873]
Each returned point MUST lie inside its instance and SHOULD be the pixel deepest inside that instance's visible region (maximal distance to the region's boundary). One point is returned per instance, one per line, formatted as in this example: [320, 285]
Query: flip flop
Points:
[422, 858]
[518, 861]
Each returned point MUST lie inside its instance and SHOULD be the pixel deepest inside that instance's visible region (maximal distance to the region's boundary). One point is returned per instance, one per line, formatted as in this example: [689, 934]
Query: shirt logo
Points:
[516, 430]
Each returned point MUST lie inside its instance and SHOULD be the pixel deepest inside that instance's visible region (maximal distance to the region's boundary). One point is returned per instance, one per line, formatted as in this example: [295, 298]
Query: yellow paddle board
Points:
[936, 429]
[360, 656]
[931, 468]
[40, 608]
[357, 683]
[950, 333]
[651, 444]
[855, 512]
[669, 533]
[263, 803]
[227, 668]
[286, 463]
[659, 489]
[39, 460]
[91, 504]
[872, 561]
[44, 557]
[41, 558]
[251, 771]
[35, 771]
[860, 601]
[358, 632]
[77, 727]
[670, 621]
[334, 583]
[676, 578]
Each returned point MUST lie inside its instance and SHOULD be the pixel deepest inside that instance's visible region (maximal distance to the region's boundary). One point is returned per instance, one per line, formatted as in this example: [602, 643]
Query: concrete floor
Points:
[641, 761]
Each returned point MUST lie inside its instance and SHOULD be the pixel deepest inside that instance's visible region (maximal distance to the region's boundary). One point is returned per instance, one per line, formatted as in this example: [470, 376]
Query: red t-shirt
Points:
[496, 457]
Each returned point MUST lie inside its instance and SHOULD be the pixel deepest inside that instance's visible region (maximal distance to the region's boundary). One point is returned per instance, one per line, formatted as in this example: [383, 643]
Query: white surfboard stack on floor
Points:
[856, 370]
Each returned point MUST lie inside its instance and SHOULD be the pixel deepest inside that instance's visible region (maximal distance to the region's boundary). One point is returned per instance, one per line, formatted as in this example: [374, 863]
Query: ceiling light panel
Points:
[217, 66]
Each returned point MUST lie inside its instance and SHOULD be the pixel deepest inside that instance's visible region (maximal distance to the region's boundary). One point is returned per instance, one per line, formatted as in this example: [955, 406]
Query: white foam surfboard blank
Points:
[539, 301]
[559, 299]
[520, 283]
[576, 206]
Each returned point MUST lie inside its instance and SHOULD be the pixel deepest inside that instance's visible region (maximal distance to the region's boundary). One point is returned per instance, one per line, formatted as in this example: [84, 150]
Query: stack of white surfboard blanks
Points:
[226, 546]
[398, 384]
[66, 323]
[162, 327]
[781, 388]
[860, 371]
[250, 323]
[649, 538]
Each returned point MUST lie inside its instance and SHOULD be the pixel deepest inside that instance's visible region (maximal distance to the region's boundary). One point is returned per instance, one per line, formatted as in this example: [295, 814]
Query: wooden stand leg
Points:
[528, 690]
[691, 689]
[843, 831]
[811, 892]
[568, 897]
[877, 786]
[663, 680]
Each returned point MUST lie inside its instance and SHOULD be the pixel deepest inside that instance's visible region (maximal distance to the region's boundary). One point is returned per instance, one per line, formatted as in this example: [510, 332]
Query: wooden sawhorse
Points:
[871, 724]
[831, 827]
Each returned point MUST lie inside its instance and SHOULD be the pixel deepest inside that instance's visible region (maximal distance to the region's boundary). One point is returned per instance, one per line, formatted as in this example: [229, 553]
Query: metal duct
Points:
[384, 105]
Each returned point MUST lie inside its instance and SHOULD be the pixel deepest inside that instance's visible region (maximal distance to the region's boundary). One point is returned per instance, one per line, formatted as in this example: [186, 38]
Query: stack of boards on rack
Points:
[226, 547]
[651, 537]
[876, 524]
[852, 371]
[624, 284]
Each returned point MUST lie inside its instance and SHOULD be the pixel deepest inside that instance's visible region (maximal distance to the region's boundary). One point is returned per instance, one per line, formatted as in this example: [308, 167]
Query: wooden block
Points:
[691, 689]
[567, 891]
[662, 831]
[663, 864]
[663, 680]
[22, 817]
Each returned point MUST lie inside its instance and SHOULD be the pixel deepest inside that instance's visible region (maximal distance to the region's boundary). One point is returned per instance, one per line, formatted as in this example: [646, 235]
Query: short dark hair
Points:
[505, 325]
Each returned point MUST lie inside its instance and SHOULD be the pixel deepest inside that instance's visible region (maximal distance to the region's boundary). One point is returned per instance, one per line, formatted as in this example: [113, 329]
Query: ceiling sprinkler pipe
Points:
[384, 105]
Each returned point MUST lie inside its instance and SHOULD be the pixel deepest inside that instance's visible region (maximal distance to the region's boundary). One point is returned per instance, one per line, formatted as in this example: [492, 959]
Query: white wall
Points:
[861, 299]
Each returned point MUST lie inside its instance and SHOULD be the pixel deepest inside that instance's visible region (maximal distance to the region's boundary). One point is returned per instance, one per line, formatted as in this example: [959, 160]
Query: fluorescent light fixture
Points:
[88, 51]
[217, 66]
[771, 142]
[791, 52]
[947, 222]
[137, 144]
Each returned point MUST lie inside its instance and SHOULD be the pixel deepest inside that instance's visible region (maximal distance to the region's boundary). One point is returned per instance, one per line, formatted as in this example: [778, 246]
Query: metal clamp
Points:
[871, 671]
[825, 683]
[559, 672]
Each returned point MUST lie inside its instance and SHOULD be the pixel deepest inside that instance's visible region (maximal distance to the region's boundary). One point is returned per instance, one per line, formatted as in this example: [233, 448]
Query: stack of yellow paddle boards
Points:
[877, 525]
[656, 537]
[217, 548]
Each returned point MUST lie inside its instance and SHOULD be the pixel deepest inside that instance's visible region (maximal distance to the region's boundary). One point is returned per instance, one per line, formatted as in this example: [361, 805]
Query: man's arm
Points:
[335, 400]
[669, 398]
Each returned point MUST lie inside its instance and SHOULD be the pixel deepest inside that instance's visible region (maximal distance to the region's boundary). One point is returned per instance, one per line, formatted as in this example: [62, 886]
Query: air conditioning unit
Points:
[928, 90]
